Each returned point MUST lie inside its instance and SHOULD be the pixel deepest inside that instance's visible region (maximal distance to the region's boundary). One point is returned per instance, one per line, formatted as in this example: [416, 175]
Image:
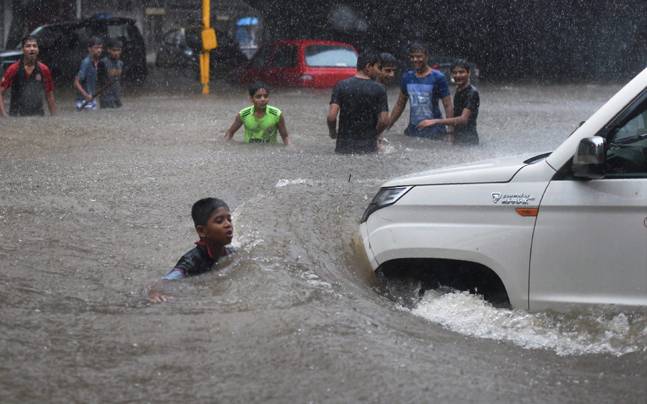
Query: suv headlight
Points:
[384, 197]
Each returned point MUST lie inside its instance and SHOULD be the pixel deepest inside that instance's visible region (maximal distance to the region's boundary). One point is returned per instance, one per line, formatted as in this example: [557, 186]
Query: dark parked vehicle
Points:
[9, 57]
[181, 49]
[62, 46]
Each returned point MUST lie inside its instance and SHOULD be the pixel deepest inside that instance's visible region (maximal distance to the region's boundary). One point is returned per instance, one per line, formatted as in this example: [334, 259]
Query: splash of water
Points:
[575, 333]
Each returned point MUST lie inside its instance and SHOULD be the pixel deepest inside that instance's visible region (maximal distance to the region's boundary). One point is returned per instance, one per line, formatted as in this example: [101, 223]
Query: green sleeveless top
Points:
[261, 130]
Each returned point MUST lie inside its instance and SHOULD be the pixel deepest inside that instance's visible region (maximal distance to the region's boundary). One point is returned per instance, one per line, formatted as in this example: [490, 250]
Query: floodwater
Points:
[95, 206]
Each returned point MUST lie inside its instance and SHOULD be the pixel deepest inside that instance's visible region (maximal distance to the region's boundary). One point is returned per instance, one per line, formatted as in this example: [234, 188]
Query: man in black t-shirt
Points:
[466, 107]
[362, 107]
[467, 99]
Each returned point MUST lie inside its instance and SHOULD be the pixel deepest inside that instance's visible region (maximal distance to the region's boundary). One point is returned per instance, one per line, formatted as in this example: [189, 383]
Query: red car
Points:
[301, 63]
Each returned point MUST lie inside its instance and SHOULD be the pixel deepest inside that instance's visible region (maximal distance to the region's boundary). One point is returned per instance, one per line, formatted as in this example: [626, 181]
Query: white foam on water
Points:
[284, 182]
[575, 333]
[314, 280]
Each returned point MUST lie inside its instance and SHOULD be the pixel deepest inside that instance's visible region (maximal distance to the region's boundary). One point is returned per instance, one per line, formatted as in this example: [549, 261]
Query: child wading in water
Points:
[466, 107]
[212, 221]
[109, 76]
[85, 81]
[261, 120]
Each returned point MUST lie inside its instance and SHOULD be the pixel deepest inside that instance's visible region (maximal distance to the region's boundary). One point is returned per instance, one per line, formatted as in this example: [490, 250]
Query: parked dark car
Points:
[62, 46]
[8, 57]
[181, 49]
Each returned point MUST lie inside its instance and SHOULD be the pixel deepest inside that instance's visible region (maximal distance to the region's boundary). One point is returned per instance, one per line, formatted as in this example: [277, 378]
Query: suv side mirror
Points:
[590, 158]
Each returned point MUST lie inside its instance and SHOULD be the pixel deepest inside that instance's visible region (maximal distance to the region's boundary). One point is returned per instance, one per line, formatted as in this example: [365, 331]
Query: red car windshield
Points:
[330, 56]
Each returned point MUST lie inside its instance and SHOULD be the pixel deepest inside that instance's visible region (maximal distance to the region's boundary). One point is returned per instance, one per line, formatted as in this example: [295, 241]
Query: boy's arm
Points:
[283, 131]
[398, 108]
[234, 127]
[382, 124]
[383, 116]
[155, 294]
[456, 121]
[49, 89]
[80, 89]
[448, 106]
[51, 103]
[80, 76]
[5, 84]
[3, 113]
[331, 120]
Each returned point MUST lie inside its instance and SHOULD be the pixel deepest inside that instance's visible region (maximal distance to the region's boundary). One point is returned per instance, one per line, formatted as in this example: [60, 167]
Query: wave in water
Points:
[575, 333]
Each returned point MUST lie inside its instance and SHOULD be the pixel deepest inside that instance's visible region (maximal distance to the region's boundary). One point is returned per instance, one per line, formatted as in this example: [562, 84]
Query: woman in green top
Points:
[261, 120]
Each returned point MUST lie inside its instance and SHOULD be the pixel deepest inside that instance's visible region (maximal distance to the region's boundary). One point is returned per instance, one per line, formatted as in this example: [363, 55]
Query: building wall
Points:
[5, 21]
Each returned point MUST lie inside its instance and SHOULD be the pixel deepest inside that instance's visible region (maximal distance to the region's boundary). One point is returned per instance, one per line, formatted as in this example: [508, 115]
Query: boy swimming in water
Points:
[212, 220]
[261, 120]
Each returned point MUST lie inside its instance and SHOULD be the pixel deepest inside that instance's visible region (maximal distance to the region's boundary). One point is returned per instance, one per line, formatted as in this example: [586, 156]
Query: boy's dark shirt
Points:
[199, 260]
[360, 103]
[111, 95]
[467, 98]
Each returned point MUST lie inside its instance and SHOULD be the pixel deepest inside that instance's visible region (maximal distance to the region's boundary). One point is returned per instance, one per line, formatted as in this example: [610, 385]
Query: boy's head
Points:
[212, 221]
[95, 47]
[114, 48]
[418, 55]
[30, 47]
[460, 71]
[368, 62]
[259, 93]
[388, 66]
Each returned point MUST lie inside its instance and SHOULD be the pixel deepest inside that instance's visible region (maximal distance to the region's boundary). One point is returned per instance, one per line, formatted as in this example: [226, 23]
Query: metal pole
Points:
[78, 9]
[204, 54]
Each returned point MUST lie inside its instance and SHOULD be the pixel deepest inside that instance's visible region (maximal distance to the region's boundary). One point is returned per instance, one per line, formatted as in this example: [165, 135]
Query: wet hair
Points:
[94, 41]
[257, 86]
[367, 57]
[460, 63]
[114, 44]
[416, 47]
[387, 59]
[28, 38]
[202, 209]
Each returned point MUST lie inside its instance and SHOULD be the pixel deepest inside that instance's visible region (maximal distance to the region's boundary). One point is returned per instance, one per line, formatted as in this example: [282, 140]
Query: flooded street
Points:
[95, 207]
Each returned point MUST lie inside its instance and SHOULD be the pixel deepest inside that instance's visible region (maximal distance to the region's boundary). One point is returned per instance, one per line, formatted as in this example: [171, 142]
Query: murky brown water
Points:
[94, 207]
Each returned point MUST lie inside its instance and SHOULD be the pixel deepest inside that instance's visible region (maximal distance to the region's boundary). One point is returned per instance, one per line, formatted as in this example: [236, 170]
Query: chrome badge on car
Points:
[511, 199]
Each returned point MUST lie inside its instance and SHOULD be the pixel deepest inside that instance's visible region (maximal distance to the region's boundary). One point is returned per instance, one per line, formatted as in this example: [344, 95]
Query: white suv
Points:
[558, 230]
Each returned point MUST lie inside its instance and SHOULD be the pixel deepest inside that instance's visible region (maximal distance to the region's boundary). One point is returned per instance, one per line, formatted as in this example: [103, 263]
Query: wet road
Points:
[94, 207]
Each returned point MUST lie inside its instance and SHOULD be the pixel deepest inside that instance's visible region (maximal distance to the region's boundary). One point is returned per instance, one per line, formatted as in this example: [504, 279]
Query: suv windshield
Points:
[52, 36]
[330, 56]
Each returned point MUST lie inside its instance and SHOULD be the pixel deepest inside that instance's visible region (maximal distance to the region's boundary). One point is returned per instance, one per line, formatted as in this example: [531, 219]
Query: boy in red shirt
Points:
[30, 81]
